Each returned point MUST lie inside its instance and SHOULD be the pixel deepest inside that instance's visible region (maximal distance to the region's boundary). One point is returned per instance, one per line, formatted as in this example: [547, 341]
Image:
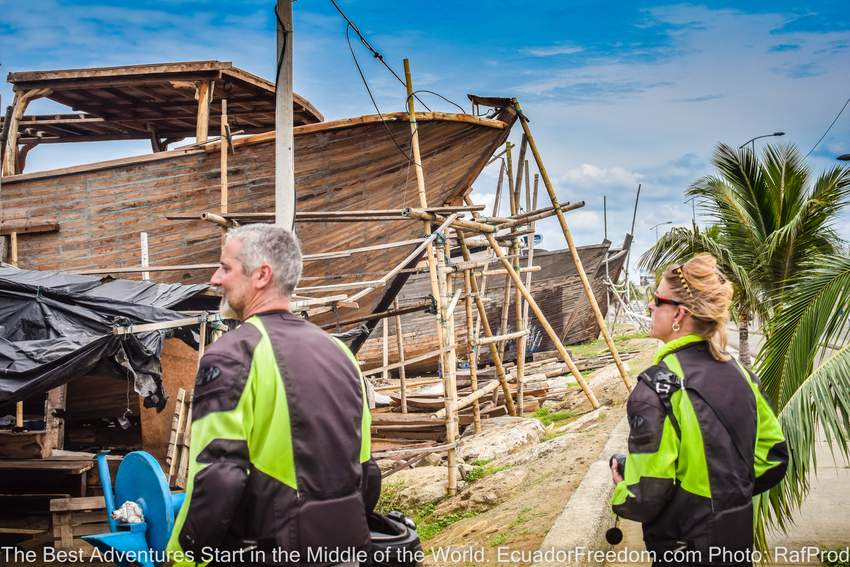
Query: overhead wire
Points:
[837, 116]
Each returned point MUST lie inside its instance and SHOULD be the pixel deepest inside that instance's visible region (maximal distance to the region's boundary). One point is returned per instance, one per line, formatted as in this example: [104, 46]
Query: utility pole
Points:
[629, 253]
[284, 163]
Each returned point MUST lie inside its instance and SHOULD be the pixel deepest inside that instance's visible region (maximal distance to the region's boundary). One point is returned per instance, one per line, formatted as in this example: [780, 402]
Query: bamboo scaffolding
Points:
[482, 317]
[541, 318]
[562, 220]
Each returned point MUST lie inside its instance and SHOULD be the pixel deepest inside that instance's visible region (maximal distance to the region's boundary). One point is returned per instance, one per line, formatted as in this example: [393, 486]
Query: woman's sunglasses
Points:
[661, 300]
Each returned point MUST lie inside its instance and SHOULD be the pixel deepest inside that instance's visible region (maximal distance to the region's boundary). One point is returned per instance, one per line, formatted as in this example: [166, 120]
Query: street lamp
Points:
[753, 140]
[693, 209]
[844, 157]
[656, 228]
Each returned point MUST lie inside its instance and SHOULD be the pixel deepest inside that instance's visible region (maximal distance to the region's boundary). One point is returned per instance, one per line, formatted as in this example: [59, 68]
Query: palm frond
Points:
[815, 311]
[821, 403]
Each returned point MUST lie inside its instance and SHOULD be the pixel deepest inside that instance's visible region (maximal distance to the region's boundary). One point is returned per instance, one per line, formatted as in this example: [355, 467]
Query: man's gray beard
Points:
[226, 311]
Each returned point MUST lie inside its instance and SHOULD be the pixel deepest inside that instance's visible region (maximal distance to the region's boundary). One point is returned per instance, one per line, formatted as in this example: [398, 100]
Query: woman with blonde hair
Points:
[703, 439]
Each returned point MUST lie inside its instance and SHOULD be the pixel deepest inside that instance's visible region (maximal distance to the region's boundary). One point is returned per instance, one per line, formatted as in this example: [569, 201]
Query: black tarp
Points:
[56, 326]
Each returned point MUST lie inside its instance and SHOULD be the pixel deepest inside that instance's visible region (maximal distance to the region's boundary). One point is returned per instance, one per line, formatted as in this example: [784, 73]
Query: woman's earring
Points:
[676, 326]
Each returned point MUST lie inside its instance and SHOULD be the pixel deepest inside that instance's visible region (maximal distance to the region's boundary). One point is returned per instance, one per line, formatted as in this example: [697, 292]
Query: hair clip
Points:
[681, 272]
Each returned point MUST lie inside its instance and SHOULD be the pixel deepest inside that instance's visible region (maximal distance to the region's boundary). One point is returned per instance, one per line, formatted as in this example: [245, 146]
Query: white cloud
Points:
[553, 50]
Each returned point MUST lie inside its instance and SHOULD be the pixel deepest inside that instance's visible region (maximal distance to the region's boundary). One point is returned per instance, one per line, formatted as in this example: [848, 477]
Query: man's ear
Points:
[263, 276]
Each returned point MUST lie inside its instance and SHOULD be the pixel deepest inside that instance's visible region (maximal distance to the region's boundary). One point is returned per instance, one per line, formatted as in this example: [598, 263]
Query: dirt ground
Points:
[520, 521]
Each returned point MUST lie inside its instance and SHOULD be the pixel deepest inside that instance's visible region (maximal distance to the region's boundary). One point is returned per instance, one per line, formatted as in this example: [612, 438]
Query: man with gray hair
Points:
[280, 425]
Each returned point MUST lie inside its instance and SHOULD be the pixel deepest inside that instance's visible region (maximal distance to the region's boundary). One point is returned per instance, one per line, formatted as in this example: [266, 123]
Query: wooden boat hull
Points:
[349, 164]
[556, 288]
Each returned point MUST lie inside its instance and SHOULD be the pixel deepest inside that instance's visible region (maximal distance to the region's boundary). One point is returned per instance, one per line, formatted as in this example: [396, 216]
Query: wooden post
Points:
[499, 183]
[485, 323]
[284, 161]
[600, 320]
[202, 339]
[556, 340]
[225, 149]
[402, 374]
[449, 370]
[13, 259]
[518, 320]
[145, 256]
[202, 122]
[472, 349]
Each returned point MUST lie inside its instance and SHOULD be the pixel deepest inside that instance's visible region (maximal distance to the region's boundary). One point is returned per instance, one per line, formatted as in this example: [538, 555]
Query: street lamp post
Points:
[656, 228]
[844, 157]
[753, 140]
[693, 209]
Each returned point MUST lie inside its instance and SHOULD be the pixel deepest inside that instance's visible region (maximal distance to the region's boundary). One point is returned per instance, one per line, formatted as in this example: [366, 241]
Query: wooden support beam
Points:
[224, 151]
[458, 223]
[472, 398]
[399, 341]
[541, 318]
[600, 320]
[19, 106]
[24, 227]
[203, 94]
[527, 218]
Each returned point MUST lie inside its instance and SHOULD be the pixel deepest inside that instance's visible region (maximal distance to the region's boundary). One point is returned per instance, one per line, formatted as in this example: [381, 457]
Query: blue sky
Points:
[619, 93]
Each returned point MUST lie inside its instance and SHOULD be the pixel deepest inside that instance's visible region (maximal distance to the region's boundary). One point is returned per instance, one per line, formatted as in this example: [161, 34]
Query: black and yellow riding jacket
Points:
[280, 435]
[703, 440]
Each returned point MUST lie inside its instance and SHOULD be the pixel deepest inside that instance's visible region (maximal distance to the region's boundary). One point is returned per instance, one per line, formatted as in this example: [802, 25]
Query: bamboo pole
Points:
[600, 320]
[399, 341]
[472, 351]
[385, 349]
[423, 200]
[541, 318]
[522, 314]
[485, 324]
[449, 376]
[506, 298]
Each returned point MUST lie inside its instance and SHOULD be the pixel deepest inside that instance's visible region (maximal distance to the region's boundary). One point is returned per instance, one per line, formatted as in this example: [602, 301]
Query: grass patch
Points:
[500, 538]
[548, 417]
[481, 469]
[429, 526]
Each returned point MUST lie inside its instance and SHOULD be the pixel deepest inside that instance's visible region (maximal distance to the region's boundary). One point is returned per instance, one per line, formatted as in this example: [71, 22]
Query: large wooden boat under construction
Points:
[89, 217]
[555, 287]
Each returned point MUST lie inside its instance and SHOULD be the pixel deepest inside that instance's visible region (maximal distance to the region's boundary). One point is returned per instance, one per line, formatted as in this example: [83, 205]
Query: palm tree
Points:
[805, 370]
[768, 221]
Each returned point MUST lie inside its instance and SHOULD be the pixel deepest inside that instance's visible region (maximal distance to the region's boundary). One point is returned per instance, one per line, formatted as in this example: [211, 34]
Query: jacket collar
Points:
[675, 345]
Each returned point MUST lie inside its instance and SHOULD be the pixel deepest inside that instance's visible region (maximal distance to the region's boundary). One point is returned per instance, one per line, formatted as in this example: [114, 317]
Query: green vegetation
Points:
[429, 526]
[481, 468]
[773, 235]
[547, 416]
[598, 346]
